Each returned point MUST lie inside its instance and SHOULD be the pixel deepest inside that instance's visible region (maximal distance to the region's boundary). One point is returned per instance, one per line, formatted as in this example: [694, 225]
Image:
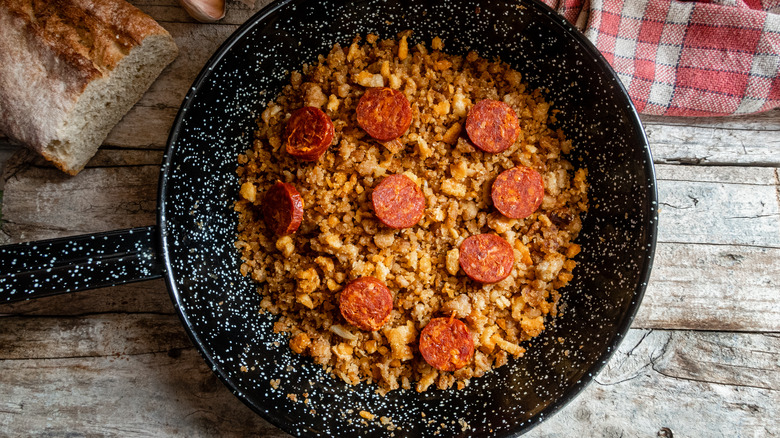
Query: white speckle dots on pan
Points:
[37, 269]
[220, 307]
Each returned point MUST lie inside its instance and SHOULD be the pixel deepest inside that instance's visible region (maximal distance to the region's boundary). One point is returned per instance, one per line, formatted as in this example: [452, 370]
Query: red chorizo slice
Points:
[518, 192]
[398, 202]
[308, 134]
[282, 208]
[486, 258]
[384, 113]
[366, 303]
[446, 344]
[492, 125]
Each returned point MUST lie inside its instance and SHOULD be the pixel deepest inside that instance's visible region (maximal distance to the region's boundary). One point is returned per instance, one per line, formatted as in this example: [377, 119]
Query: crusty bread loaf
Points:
[70, 69]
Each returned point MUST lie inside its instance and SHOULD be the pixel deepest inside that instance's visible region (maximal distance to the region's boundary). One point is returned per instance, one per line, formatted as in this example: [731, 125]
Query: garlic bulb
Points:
[205, 11]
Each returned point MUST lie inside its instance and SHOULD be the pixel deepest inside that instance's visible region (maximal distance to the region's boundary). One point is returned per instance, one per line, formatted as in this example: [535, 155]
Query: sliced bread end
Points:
[105, 101]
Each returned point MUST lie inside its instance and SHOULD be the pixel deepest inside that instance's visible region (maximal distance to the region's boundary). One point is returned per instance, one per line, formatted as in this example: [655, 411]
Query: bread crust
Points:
[50, 51]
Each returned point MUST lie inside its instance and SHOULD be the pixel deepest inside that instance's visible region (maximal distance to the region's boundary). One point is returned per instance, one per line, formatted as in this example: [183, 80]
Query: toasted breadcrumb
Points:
[301, 275]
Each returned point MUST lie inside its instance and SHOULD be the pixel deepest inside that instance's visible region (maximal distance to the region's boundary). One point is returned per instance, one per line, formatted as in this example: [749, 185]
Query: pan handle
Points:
[48, 267]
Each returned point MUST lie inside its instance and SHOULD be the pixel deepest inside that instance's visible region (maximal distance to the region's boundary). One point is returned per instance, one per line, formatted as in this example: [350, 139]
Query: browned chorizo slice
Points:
[492, 126]
[446, 344]
[518, 192]
[486, 258]
[308, 134]
[282, 208]
[384, 113]
[366, 303]
[398, 202]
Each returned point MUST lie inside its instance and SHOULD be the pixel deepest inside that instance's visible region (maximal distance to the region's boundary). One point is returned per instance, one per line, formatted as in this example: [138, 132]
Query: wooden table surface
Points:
[702, 358]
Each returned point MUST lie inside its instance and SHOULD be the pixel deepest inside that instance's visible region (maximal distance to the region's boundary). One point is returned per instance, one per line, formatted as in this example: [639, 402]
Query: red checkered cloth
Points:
[707, 58]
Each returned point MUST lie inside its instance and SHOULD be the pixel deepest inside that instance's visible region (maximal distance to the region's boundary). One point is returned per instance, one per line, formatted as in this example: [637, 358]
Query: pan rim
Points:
[651, 228]
[162, 192]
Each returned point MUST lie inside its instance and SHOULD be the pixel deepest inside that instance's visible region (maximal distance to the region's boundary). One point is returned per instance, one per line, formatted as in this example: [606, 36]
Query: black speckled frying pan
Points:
[192, 245]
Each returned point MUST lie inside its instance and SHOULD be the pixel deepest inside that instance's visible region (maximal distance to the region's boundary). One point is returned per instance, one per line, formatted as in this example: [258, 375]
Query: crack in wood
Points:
[45, 228]
[3, 411]
[630, 352]
[676, 207]
[95, 356]
[622, 357]
[701, 162]
[684, 161]
[750, 129]
[710, 382]
[703, 181]
[735, 245]
[777, 186]
[757, 216]
[79, 316]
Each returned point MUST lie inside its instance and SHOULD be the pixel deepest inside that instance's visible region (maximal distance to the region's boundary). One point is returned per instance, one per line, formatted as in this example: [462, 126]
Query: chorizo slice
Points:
[282, 208]
[398, 202]
[366, 303]
[518, 192]
[492, 126]
[486, 258]
[308, 133]
[384, 113]
[446, 344]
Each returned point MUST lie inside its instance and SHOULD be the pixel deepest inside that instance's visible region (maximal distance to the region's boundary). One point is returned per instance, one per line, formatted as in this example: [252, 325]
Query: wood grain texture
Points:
[722, 222]
[142, 297]
[168, 393]
[712, 144]
[104, 334]
[695, 384]
[712, 287]
[719, 205]
[40, 202]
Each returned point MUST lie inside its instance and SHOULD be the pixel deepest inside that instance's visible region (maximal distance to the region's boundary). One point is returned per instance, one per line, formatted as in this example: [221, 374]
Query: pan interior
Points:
[220, 307]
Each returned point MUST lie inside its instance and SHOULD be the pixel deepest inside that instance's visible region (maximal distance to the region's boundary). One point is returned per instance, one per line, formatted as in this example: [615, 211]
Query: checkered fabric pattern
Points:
[705, 58]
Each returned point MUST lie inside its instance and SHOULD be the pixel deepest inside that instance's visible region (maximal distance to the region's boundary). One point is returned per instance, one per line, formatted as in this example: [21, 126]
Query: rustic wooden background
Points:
[701, 360]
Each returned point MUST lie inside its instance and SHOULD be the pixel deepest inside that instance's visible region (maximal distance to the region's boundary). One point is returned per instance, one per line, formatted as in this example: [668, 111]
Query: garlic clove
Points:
[205, 11]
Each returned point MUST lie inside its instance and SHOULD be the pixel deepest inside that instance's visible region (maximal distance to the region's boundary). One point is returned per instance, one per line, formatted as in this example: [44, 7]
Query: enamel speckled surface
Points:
[36, 269]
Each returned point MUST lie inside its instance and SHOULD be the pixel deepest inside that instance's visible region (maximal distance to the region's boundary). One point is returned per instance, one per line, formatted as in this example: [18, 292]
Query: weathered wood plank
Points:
[41, 202]
[77, 364]
[169, 393]
[765, 121]
[725, 222]
[719, 205]
[101, 335]
[143, 127]
[669, 144]
[694, 383]
[712, 287]
[708, 205]
[142, 297]
[748, 140]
